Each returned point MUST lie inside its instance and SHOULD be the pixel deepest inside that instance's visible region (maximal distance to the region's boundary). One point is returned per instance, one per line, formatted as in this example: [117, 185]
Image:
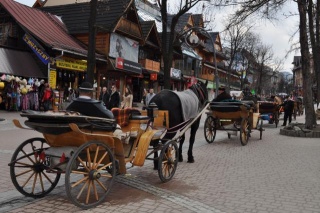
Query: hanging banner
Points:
[37, 48]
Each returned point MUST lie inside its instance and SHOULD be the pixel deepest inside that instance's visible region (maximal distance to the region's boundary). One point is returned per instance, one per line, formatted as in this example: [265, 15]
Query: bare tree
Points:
[169, 37]
[234, 37]
[267, 10]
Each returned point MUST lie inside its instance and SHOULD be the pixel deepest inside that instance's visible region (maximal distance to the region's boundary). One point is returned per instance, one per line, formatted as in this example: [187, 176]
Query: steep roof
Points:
[76, 16]
[43, 26]
[182, 22]
[146, 28]
[197, 20]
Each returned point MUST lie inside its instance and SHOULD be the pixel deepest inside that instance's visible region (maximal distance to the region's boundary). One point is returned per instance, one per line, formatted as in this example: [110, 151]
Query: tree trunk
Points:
[305, 62]
[91, 63]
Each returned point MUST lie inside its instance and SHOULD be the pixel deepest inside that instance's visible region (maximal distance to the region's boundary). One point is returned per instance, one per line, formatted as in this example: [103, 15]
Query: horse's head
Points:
[200, 89]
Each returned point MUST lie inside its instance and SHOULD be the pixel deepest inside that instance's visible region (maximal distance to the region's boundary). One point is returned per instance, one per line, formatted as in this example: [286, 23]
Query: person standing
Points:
[127, 99]
[47, 97]
[149, 96]
[104, 96]
[114, 99]
[288, 106]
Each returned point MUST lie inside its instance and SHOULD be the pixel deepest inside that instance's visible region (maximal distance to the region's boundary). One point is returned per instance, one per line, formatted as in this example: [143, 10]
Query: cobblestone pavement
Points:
[276, 174]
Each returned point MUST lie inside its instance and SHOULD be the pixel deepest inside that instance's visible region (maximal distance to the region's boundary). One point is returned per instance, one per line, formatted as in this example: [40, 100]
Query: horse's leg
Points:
[180, 147]
[194, 128]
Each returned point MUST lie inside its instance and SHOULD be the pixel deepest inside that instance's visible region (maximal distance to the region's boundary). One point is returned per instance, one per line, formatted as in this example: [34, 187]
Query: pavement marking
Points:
[166, 194]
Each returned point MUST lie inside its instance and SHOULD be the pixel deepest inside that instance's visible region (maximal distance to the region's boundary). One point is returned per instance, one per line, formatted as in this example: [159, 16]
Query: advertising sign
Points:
[175, 73]
[122, 47]
[36, 48]
[53, 78]
[71, 64]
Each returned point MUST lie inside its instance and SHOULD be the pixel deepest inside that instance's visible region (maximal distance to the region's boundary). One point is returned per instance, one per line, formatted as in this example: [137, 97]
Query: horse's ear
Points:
[206, 82]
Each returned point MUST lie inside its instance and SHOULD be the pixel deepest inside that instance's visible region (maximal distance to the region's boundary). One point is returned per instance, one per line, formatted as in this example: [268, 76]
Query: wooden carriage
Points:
[269, 111]
[231, 116]
[90, 151]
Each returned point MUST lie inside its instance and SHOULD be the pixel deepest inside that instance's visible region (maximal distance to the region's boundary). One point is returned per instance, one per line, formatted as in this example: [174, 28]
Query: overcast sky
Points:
[277, 35]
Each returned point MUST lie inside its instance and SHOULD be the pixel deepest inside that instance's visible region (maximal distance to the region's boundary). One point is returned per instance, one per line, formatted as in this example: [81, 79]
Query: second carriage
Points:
[232, 117]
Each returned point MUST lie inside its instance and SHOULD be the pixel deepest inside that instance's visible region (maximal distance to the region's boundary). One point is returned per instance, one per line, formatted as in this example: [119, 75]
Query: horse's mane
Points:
[200, 92]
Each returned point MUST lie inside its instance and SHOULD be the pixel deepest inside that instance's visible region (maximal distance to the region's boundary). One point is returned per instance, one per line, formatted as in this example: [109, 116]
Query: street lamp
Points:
[192, 40]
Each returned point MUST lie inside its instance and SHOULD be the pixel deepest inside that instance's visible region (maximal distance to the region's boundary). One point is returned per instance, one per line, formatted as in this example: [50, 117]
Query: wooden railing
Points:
[150, 65]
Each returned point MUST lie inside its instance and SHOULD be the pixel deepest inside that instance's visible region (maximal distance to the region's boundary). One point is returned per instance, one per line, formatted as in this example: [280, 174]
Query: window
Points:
[5, 32]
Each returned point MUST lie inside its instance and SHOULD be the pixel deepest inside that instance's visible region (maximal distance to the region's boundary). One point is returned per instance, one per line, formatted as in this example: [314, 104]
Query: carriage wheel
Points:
[210, 129]
[168, 161]
[28, 169]
[244, 132]
[90, 174]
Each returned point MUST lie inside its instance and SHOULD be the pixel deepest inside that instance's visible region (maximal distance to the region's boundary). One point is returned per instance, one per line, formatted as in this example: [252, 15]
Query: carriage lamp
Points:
[152, 110]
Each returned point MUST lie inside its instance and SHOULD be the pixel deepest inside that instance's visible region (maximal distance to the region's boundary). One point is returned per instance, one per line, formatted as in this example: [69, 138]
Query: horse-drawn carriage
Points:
[269, 111]
[232, 117]
[91, 151]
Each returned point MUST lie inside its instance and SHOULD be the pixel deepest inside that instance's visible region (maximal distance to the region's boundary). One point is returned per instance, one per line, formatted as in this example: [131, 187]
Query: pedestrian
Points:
[149, 96]
[144, 95]
[127, 99]
[114, 99]
[47, 97]
[85, 105]
[104, 96]
[222, 95]
[288, 106]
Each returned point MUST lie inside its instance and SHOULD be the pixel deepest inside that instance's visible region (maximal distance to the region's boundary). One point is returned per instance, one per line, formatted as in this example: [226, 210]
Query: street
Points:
[276, 174]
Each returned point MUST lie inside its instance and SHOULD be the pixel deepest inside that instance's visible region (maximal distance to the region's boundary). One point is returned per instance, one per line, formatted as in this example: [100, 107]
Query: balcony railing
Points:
[150, 64]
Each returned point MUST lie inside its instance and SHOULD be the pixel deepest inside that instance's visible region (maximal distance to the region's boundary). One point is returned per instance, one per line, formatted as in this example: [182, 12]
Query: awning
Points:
[20, 63]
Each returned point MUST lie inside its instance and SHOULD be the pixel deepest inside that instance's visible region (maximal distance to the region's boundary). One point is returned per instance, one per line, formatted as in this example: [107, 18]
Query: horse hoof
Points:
[190, 160]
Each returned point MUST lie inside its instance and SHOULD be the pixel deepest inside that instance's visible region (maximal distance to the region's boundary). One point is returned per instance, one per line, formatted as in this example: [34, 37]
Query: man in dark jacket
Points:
[288, 106]
[104, 96]
[114, 99]
[85, 105]
[222, 95]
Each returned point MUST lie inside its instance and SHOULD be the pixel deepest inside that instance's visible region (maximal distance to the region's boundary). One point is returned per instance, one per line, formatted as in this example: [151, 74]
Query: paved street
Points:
[276, 174]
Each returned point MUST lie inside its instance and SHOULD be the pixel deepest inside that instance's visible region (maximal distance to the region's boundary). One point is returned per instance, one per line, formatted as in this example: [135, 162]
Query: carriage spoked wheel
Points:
[90, 174]
[28, 169]
[168, 161]
[210, 129]
[244, 132]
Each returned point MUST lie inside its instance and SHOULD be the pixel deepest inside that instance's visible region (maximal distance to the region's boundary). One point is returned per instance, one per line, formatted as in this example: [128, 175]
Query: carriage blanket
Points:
[189, 104]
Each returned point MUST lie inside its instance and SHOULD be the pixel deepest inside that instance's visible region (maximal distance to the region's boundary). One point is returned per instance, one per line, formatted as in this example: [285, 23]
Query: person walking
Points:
[104, 96]
[149, 96]
[114, 99]
[127, 99]
[288, 106]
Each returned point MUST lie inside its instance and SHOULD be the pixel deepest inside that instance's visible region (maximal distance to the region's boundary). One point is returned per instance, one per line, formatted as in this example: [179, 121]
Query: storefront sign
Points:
[53, 79]
[37, 48]
[130, 66]
[71, 64]
[119, 63]
[153, 76]
[175, 73]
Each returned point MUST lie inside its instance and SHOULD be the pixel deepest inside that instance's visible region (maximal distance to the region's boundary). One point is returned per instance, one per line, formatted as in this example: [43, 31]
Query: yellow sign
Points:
[71, 64]
[53, 79]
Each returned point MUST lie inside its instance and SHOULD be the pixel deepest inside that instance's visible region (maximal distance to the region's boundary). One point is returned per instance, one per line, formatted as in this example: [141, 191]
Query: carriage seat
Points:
[123, 116]
[251, 103]
[228, 106]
